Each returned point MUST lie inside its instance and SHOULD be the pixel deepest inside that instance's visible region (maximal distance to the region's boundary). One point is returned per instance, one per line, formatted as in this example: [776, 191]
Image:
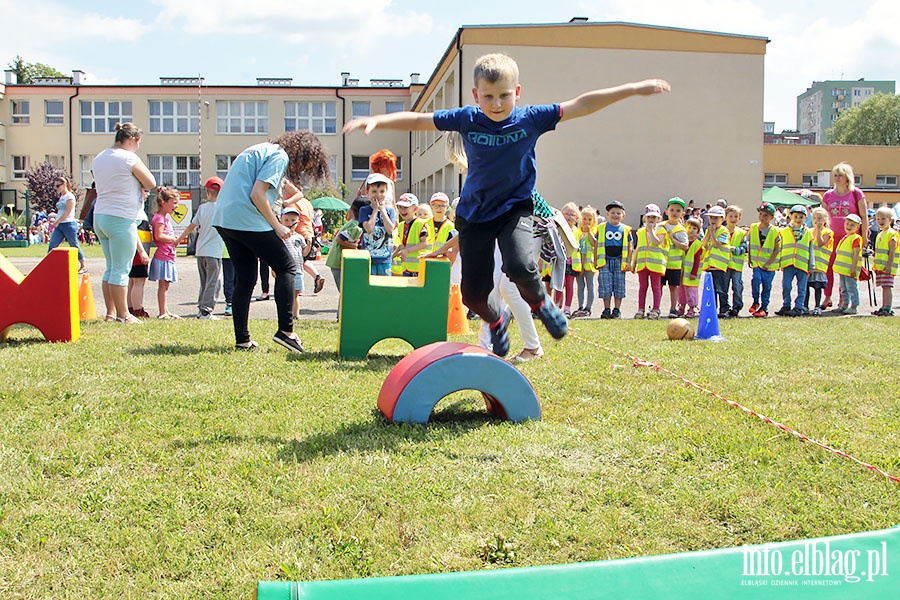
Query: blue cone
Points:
[708, 327]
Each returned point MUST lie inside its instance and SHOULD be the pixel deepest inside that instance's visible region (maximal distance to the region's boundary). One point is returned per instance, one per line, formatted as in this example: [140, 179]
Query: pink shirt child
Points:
[164, 250]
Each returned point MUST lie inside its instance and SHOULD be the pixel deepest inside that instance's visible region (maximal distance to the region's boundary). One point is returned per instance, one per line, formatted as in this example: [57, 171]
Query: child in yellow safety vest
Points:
[571, 214]
[847, 263]
[885, 260]
[440, 224]
[737, 239]
[649, 260]
[823, 244]
[412, 238]
[678, 245]
[763, 252]
[798, 259]
[717, 255]
[583, 261]
[613, 258]
[692, 269]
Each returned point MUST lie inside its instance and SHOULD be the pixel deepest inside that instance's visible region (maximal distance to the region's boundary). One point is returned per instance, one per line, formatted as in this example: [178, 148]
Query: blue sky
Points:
[235, 41]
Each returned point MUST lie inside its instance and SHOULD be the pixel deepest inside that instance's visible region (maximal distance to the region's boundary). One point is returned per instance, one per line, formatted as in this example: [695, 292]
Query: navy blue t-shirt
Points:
[502, 167]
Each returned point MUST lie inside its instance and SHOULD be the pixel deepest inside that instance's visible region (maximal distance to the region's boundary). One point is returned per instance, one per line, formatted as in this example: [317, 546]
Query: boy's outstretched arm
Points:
[591, 102]
[403, 121]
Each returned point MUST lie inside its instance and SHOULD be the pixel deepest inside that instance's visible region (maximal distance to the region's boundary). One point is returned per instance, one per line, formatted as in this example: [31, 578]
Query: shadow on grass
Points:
[178, 350]
[374, 434]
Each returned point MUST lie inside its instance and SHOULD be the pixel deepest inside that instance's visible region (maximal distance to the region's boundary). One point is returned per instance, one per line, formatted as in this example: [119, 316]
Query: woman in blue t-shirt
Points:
[251, 230]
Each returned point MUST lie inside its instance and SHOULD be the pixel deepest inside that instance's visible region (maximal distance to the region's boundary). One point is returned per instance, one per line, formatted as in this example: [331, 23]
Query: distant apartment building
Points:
[823, 102]
[788, 136]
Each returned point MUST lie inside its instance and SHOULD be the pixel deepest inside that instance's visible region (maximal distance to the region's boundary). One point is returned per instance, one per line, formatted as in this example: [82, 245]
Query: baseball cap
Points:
[722, 202]
[439, 197]
[716, 211]
[407, 199]
[767, 207]
[854, 218]
[678, 201]
[798, 208]
[652, 209]
[377, 178]
[615, 204]
[213, 183]
[290, 209]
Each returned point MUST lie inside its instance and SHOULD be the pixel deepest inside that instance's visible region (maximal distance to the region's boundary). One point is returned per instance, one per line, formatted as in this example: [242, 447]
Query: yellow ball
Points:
[680, 329]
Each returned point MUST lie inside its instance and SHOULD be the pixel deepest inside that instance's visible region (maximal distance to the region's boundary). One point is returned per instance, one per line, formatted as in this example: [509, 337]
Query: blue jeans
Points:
[69, 231]
[849, 292]
[788, 274]
[720, 284]
[736, 281]
[761, 287]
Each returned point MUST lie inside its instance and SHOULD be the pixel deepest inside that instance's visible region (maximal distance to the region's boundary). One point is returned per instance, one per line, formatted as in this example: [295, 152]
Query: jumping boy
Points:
[496, 204]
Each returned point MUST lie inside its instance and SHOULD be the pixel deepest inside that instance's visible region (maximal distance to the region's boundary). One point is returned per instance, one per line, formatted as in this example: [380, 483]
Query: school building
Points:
[702, 141]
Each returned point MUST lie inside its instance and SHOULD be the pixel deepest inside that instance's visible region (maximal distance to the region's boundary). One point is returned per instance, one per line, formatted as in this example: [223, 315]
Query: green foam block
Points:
[856, 566]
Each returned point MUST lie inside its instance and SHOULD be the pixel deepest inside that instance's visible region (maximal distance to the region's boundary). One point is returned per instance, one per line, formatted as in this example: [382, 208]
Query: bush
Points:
[41, 189]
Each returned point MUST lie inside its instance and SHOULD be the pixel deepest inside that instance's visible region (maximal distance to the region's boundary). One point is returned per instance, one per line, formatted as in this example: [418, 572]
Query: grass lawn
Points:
[156, 462]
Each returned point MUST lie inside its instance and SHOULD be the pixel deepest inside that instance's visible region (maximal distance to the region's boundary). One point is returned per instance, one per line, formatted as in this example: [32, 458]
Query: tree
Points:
[41, 186]
[875, 122]
[28, 72]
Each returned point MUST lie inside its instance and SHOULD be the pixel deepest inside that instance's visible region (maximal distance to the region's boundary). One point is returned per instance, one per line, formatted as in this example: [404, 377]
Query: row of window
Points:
[811, 180]
[183, 171]
[183, 116]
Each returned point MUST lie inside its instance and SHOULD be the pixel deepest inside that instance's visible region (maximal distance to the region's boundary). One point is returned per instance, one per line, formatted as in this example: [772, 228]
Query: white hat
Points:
[407, 199]
[652, 209]
[377, 178]
[716, 211]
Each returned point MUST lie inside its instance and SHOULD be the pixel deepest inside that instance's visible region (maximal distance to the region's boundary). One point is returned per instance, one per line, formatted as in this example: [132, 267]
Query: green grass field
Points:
[156, 462]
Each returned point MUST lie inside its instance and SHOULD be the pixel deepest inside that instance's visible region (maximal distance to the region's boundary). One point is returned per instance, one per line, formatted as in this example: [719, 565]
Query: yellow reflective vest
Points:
[823, 253]
[675, 257]
[794, 252]
[583, 256]
[600, 257]
[758, 254]
[692, 257]
[651, 258]
[883, 252]
[843, 255]
[736, 261]
[717, 259]
[411, 263]
[441, 234]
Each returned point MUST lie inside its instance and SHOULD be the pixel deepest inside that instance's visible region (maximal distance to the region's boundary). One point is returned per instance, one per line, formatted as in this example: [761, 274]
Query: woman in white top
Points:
[120, 177]
[66, 225]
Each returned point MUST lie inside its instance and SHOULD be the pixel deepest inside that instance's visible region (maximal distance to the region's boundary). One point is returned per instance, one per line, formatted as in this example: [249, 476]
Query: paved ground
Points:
[183, 295]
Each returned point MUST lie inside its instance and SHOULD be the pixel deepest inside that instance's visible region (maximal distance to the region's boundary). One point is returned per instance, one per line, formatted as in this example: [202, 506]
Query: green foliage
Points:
[42, 192]
[875, 122]
[157, 462]
[332, 220]
[28, 72]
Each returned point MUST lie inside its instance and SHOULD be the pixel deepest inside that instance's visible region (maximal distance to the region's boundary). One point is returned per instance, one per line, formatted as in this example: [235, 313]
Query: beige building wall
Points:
[703, 141]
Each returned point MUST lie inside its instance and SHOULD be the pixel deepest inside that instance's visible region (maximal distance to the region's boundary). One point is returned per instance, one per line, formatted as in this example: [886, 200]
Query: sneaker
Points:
[616, 314]
[816, 312]
[606, 314]
[228, 310]
[840, 310]
[783, 311]
[291, 342]
[499, 336]
[761, 313]
[725, 315]
[319, 284]
[553, 320]
[262, 298]
[673, 314]
[207, 317]
[850, 311]
[734, 312]
[141, 312]
[754, 307]
[249, 346]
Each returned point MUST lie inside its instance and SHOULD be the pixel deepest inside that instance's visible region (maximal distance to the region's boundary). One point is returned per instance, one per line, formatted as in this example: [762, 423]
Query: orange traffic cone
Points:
[86, 306]
[457, 321]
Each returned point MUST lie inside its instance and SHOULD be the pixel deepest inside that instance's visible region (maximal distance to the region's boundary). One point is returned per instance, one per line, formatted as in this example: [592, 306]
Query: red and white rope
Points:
[639, 362]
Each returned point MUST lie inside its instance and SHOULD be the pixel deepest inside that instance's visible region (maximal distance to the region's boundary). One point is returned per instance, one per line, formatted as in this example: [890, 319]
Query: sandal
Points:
[129, 320]
[109, 318]
[169, 316]
[654, 314]
[639, 314]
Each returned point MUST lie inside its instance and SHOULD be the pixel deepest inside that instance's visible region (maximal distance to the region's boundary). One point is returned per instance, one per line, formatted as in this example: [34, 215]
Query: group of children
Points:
[670, 251]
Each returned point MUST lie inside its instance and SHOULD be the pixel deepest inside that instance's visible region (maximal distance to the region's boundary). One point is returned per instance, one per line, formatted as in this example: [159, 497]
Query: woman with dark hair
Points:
[246, 220]
[120, 176]
[66, 225]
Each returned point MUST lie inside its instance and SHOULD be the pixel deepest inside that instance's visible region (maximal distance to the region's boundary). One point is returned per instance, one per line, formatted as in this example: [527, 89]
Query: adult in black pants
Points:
[247, 223]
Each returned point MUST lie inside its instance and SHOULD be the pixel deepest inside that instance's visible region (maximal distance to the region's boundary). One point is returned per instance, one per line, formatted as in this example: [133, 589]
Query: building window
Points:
[776, 179]
[21, 112]
[86, 162]
[177, 171]
[318, 117]
[359, 167]
[101, 117]
[223, 163]
[399, 168]
[810, 179]
[20, 166]
[242, 117]
[857, 180]
[392, 107]
[361, 109]
[332, 167]
[174, 116]
[886, 180]
[56, 161]
[53, 112]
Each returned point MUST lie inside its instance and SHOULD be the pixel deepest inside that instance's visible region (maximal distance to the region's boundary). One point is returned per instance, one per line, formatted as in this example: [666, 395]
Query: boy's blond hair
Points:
[821, 211]
[885, 211]
[494, 67]
[424, 212]
[733, 209]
